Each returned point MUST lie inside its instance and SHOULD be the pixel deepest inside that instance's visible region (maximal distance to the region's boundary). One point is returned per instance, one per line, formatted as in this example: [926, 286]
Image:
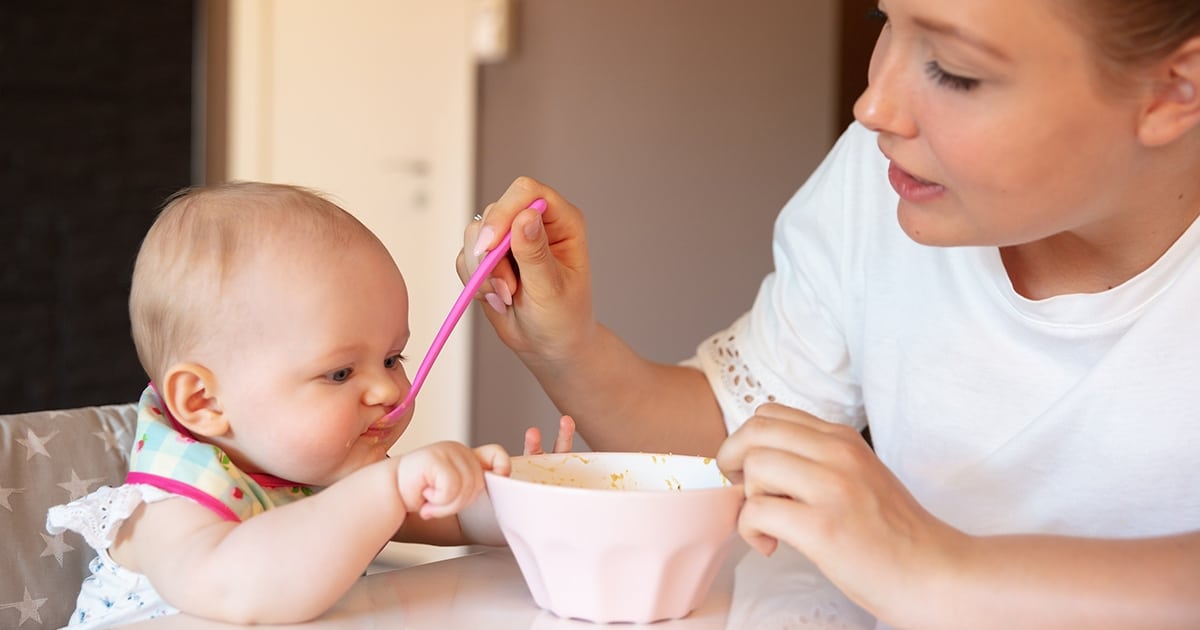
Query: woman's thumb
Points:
[531, 249]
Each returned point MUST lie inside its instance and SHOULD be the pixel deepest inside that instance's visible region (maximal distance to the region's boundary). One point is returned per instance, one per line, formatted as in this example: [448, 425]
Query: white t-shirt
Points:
[1076, 414]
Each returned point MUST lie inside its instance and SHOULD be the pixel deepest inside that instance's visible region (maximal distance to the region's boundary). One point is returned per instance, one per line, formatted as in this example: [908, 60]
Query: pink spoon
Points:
[489, 262]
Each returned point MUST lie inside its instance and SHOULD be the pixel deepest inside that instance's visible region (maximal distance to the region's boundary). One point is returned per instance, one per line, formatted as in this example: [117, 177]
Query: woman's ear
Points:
[189, 391]
[1174, 108]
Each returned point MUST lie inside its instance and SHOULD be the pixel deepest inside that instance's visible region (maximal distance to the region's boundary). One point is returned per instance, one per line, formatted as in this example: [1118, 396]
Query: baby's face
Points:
[315, 363]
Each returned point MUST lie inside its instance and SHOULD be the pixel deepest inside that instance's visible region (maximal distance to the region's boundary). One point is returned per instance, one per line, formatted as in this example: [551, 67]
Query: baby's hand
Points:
[442, 478]
[562, 444]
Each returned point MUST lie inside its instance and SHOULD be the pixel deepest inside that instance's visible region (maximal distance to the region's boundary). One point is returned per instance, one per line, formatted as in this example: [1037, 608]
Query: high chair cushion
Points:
[48, 458]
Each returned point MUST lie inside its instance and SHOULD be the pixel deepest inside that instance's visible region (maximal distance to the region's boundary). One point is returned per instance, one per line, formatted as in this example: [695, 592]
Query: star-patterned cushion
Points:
[48, 458]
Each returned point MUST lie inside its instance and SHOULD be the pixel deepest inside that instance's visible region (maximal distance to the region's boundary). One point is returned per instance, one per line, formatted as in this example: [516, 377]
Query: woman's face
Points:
[997, 127]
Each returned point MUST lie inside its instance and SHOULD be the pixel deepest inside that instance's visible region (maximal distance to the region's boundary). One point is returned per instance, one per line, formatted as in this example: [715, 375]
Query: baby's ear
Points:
[189, 390]
[1174, 109]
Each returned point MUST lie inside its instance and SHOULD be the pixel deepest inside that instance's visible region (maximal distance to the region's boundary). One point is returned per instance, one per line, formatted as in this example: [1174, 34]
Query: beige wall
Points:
[680, 127]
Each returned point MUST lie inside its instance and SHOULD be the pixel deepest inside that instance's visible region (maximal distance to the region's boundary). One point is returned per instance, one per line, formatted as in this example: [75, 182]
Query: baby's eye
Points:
[394, 361]
[340, 376]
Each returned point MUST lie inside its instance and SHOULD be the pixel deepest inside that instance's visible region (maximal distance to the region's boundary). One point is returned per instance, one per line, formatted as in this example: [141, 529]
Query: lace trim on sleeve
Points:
[99, 515]
[737, 380]
[738, 389]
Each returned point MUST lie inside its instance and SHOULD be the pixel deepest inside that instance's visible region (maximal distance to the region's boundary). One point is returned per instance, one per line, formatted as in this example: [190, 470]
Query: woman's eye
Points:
[394, 361]
[339, 376]
[945, 79]
[875, 14]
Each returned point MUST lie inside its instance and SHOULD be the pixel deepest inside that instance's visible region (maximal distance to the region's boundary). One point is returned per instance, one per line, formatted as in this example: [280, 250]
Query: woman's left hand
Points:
[819, 487]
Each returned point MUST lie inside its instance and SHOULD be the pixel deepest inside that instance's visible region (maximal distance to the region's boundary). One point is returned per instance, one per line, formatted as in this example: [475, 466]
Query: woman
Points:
[997, 270]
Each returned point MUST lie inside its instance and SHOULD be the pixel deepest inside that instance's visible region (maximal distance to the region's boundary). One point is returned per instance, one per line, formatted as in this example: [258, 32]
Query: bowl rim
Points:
[489, 475]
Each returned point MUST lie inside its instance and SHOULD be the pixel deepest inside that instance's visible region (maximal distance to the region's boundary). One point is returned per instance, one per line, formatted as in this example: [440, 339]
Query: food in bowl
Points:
[617, 537]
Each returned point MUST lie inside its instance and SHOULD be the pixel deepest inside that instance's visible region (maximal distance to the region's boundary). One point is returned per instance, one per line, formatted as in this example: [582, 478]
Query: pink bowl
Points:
[615, 537]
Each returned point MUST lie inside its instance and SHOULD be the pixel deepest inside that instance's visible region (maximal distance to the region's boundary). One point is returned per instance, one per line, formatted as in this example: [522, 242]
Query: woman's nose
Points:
[883, 107]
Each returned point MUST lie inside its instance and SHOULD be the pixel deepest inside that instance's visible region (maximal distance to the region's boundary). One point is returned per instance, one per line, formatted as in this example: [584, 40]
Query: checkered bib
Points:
[166, 456]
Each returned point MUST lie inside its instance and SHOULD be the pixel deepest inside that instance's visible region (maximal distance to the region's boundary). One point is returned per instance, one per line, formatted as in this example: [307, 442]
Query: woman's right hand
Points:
[542, 307]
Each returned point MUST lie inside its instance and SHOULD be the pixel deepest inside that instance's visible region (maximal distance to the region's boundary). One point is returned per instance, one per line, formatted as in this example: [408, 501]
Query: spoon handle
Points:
[489, 262]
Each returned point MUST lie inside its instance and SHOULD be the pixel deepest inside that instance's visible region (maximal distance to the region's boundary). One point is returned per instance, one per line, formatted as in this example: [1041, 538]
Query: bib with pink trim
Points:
[166, 456]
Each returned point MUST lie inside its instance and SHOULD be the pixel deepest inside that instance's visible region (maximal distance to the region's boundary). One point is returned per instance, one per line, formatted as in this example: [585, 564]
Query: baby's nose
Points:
[383, 391]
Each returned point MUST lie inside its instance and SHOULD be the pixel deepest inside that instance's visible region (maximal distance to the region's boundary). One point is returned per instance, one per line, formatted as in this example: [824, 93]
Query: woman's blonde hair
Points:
[201, 239]
[1130, 35]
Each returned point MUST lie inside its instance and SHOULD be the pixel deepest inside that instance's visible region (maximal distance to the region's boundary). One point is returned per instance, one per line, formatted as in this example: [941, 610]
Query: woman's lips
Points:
[911, 188]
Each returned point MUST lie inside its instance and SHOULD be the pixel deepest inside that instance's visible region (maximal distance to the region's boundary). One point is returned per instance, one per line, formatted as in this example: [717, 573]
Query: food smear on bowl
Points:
[572, 470]
[618, 480]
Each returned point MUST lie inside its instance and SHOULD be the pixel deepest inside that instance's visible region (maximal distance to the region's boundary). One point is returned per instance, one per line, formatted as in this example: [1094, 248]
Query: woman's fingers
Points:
[775, 472]
[758, 431]
[498, 216]
[797, 471]
[783, 428]
[765, 520]
[498, 289]
[776, 411]
[530, 245]
[539, 298]
[466, 256]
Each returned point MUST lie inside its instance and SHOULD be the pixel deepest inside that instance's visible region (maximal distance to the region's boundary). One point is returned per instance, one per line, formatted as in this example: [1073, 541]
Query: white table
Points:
[484, 589]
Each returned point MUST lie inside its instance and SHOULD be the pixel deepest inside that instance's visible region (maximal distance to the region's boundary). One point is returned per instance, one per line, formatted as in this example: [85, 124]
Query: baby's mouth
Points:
[375, 433]
[378, 430]
[384, 423]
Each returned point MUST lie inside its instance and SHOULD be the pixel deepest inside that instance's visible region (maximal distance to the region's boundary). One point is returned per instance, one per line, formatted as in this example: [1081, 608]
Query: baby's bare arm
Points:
[289, 564]
[292, 563]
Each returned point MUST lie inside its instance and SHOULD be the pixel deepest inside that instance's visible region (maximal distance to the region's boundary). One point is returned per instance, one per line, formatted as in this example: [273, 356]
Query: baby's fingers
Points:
[494, 458]
[566, 435]
[533, 441]
[562, 442]
[450, 493]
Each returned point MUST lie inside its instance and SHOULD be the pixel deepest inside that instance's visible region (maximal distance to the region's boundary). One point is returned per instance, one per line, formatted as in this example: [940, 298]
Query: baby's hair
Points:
[202, 238]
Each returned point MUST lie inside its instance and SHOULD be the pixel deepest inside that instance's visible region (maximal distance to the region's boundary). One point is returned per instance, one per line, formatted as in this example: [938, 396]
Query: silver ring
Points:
[478, 217]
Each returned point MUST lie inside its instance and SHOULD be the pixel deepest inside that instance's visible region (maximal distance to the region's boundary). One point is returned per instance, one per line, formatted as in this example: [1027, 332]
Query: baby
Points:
[272, 325]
